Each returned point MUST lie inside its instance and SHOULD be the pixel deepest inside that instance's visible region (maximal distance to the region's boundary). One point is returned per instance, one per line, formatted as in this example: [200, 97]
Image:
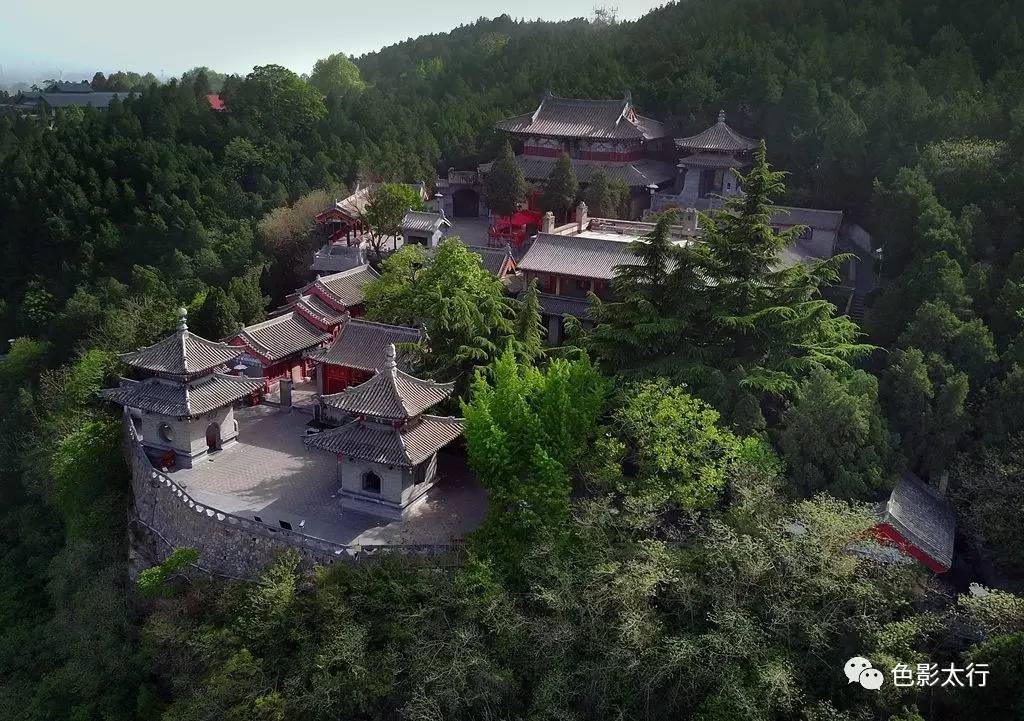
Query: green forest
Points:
[673, 494]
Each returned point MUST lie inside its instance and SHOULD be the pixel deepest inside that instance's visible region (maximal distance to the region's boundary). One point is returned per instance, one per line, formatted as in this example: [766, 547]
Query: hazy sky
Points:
[42, 36]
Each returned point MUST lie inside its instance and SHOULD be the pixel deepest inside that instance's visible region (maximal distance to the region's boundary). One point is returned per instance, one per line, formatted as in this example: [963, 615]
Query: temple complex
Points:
[182, 408]
[385, 443]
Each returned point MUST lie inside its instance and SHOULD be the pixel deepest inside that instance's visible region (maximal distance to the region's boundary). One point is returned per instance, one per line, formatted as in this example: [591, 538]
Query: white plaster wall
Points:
[189, 436]
[391, 480]
[412, 491]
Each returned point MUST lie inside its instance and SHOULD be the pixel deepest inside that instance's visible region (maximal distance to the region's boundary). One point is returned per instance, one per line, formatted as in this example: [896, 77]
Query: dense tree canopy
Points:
[704, 579]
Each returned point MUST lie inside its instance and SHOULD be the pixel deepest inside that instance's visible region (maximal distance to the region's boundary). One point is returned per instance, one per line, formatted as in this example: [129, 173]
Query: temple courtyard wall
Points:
[164, 515]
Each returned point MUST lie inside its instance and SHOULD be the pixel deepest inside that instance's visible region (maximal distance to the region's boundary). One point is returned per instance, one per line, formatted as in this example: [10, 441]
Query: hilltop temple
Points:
[182, 409]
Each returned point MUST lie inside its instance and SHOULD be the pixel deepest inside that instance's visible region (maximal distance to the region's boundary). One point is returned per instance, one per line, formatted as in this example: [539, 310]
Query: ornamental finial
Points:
[721, 116]
[390, 363]
[182, 319]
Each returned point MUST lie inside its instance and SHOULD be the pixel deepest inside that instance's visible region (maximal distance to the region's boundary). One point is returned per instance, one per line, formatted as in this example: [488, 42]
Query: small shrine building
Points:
[182, 408]
[385, 443]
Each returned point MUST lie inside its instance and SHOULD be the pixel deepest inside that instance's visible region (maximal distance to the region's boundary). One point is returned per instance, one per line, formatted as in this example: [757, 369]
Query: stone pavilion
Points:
[385, 443]
[182, 407]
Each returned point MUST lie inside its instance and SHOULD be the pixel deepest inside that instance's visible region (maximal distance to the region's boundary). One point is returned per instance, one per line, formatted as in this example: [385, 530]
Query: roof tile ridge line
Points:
[363, 321]
[543, 100]
[627, 101]
[362, 266]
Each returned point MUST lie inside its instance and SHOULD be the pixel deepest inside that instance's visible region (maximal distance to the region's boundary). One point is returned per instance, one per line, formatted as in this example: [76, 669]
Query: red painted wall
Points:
[887, 534]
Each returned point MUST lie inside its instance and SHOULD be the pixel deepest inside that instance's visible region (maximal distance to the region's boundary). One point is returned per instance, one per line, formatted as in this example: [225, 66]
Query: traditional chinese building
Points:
[582, 258]
[424, 228]
[324, 301]
[710, 159]
[182, 408]
[386, 444]
[275, 348]
[607, 134]
[342, 225]
[919, 522]
[359, 350]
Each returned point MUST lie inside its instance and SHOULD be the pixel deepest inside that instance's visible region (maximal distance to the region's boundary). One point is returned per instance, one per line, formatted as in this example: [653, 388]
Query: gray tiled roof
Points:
[346, 287]
[423, 222]
[182, 354]
[709, 160]
[574, 118]
[363, 345]
[318, 309]
[391, 393]
[813, 217]
[491, 259]
[94, 100]
[561, 305]
[577, 255]
[718, 137]
[282, 336]
[924, 519]
[408, 445]
[183, 400]
[636, 174]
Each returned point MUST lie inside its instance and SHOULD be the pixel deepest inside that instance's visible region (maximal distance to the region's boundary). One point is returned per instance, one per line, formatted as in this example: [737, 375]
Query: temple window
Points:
[371, 482]
[166, 432]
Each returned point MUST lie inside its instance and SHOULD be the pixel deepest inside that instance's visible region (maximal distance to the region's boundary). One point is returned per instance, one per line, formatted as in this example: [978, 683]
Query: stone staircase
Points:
[855, 309]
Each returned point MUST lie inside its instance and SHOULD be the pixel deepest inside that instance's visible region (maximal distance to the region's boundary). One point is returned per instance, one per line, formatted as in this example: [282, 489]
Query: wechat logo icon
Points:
[858, 670]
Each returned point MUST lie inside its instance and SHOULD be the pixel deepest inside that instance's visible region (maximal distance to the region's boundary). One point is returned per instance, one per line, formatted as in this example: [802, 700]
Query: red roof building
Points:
[216, 102]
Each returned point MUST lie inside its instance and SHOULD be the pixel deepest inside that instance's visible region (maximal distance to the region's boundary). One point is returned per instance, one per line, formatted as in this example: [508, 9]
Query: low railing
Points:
[334, 551]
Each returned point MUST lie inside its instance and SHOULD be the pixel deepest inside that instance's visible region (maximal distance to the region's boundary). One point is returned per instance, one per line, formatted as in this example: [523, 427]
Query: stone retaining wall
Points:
[229, 545]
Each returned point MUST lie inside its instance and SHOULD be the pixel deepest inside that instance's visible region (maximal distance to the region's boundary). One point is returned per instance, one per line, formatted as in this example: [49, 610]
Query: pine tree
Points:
[646, 329]
[529, 329]
[561, 188]
[505, 187]
[767, 319]
[605, 197]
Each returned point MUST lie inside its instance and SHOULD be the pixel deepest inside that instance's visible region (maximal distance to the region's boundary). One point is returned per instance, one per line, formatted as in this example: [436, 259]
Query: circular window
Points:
[166, 432]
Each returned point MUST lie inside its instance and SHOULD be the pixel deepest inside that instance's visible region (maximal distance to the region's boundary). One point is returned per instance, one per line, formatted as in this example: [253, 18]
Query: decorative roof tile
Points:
[924, 519]
[719, 137]
[282, 336]
[346, 287]
[391, 393]
[183, 399]
[182, 354]
[406, 445]
[363, 345]
[577, 255]
[575, 118]
[636, 174]
[416, 221]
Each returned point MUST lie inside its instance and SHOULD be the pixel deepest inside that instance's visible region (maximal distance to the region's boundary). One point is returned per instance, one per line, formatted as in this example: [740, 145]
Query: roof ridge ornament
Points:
[390, 361]
[721, 116]
[182, 319]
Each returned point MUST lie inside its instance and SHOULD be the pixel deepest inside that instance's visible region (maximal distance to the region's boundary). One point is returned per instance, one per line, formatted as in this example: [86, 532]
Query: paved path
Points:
[269, 473]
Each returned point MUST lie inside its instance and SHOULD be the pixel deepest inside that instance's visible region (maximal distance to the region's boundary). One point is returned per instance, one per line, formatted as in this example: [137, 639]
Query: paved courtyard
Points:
[270, 474]
[472, 231]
